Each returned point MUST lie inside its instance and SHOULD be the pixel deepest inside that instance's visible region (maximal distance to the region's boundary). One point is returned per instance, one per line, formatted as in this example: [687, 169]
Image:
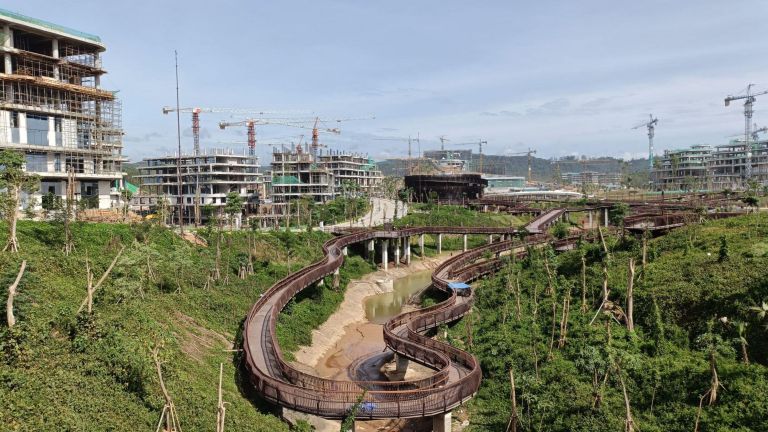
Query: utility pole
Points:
[178, 158]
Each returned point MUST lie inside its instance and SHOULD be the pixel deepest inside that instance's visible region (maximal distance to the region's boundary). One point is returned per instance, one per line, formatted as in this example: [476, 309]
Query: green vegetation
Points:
[698, 338]
[64, 370]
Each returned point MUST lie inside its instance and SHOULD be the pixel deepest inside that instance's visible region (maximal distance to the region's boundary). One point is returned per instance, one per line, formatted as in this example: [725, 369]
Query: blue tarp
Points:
[458, 285]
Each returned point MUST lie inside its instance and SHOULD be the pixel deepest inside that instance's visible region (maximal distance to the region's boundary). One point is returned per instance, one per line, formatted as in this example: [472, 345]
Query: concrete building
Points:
[593, 178]
[211, 175]
[684, 169]
[703, 167]
[53, 109]
[296, 173]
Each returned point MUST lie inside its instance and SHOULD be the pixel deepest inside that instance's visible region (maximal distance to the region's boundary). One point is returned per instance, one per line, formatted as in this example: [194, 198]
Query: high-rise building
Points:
[53, 109]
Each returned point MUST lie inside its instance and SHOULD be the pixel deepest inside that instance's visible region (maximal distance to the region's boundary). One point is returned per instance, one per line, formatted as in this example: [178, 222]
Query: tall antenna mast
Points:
[178, 156]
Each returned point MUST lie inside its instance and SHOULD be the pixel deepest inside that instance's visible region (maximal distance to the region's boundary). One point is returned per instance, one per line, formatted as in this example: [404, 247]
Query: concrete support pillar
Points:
[384, 254]
[401, 363]
[589, 213]
[55, 54]
[8, 43]
[371, 249]
[397, 252]
[439, 243]
[465, 242]
[421, 245]
[605, 216]
[441, 422]
[490, 238]
[23, 128]
[344, 251]
[336, 278]
[408, 250]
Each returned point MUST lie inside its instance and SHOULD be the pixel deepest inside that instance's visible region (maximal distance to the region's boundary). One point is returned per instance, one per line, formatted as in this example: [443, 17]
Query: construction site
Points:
[53, 109]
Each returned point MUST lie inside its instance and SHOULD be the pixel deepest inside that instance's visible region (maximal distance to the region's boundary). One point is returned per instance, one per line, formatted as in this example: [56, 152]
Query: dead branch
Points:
[222, 410]
[514, 420]
[168, 415]
[12, 295]
[584, 306]
[101, 279]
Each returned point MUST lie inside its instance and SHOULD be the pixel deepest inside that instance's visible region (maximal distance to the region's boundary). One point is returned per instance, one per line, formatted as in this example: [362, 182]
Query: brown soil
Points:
[198, 341]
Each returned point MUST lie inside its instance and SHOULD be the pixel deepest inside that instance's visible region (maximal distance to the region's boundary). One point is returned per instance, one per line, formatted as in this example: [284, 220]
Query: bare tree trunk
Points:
[552, 337]
[89, 286]
[513, 421]
[645, 252]
[629, 422]
[564, 319]
[606, 291]
[517, 295]
[550, 287]
[168, 416]
[744, 355]
[222, 410]
[715, 381]
[630, 298]
[12, 245]
[602, 241]
[584, 306]
[102, 278]
[12, 294]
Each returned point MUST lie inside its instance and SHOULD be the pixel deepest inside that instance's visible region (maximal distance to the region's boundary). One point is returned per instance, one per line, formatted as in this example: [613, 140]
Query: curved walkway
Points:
[457, 373]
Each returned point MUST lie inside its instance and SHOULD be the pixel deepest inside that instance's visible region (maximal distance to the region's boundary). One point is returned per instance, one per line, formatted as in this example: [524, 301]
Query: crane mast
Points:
[749, 99]
[651, 126]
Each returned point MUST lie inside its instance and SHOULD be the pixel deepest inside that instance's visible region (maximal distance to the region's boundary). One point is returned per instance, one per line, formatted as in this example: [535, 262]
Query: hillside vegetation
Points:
[698, 352]
[64, 370]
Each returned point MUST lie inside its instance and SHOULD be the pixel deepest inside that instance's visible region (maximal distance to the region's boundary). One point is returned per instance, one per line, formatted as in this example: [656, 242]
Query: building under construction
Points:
[445, 188]
[53, 109]
[703, 167]
[206, 180]
[297, 173]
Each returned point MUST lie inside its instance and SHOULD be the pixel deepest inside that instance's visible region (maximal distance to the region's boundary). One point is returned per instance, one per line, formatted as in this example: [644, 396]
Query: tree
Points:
[15, 182]
[617, 213]
[234, 206]
[126, 195]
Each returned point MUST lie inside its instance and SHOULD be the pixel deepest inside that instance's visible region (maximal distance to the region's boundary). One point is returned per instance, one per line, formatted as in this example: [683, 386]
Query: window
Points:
[37, 162]
[14, 119]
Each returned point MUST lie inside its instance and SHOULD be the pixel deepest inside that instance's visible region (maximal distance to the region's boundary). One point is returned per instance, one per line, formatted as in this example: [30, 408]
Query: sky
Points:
[561, 77]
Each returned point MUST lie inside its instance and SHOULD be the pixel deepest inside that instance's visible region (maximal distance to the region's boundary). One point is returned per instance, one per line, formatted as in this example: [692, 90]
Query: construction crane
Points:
[410, 141]
[651, 125]
[316, 129]
[530, 160]
[754, 132]
[250, 124]
[196, 118]
[749, 99]
[480, 143]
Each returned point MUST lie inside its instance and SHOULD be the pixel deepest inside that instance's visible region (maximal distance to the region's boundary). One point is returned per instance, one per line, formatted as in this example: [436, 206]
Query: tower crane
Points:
[530, 160]
[196, 118]
[651, 125]
[480, 143]
[749, 99]
[754, 132]
[410, 142]
[251, 123]
[316, 129]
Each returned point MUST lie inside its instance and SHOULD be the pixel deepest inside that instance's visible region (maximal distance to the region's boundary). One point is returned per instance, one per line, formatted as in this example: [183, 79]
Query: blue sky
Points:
[563, 77]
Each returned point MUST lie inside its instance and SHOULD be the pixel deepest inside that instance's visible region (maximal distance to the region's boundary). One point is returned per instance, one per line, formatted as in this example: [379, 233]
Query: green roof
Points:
[49, 25]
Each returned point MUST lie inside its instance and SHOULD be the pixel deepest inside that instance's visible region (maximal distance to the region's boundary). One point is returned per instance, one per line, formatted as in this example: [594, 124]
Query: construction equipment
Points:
[251, 125]
[749, 99]
[480, 143]
[196, 118]
[530, 160]
[651, 125]
[410, 141]
[754, 133]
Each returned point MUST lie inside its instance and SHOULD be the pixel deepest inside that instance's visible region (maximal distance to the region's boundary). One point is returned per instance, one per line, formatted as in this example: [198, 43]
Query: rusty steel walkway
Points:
[457, 373]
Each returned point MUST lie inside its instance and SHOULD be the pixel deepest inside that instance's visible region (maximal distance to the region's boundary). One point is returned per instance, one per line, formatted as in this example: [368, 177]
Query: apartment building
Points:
[296, 173]
[211, 176]
[684, 169]
[53, 109]
[594, 178]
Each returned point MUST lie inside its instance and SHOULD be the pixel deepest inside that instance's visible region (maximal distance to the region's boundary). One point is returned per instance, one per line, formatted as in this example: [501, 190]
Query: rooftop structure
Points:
[683, 169]
[211, 176]
[53, 109]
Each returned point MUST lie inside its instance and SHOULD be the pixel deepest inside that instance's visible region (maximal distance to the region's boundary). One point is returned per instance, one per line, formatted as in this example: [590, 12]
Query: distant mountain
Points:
[541, 169]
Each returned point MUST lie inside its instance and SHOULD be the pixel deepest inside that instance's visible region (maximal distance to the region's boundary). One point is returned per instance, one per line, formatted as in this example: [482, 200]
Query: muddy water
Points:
[380, 308]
